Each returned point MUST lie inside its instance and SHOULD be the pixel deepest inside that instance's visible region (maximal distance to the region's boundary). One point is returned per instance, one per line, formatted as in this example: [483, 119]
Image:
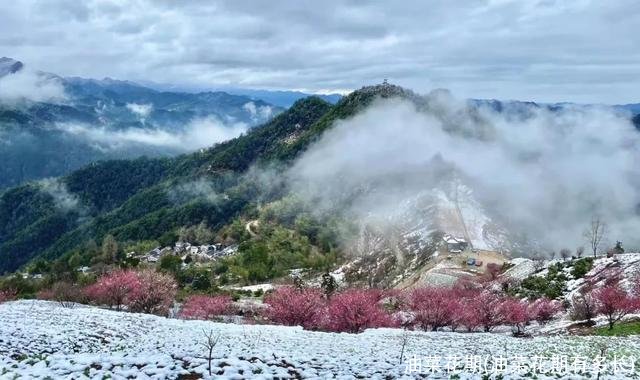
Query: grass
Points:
[619, 329]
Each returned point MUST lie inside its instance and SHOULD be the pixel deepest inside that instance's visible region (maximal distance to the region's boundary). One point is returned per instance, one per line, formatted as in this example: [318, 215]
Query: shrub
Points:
[355, 310]
[582, 267]
[205, 307]
[544, 310]
[155, 294]
[66, 293]
[432, 307]
[291, 306]
[114, 289]
[614, 303]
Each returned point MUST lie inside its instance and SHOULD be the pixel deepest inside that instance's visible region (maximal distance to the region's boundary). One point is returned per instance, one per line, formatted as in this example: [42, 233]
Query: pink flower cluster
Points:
[206, 307]
[432, 308]
[145, 291]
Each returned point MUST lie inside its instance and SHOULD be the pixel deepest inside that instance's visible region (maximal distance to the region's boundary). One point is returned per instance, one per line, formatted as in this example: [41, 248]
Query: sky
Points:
[547, 51]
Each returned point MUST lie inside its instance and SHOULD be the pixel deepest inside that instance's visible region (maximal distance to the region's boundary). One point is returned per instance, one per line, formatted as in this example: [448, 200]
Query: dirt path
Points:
[251, 226]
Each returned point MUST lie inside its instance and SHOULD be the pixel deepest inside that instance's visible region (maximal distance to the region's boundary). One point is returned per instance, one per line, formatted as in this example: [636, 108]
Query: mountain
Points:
[9, 66]
[282, 98]
[280, 195]
[91, 120]
[150, 198]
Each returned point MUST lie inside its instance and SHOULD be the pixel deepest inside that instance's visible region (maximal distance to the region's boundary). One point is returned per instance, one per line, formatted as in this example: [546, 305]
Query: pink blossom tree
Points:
[544, 310]
[487, 306]
[296, 307]
[469, 318]
[155, 295]
[614, 303]
[515, 313]
[7, 295]
[431, 307]
[355, 310]
[205, 307]
[456, 313]
[114, 289]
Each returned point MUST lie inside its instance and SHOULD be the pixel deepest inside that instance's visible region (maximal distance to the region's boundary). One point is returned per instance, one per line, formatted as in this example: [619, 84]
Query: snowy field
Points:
[43, 340]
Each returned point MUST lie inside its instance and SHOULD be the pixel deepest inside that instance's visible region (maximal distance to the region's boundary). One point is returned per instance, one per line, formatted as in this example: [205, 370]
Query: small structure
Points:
[455, 244]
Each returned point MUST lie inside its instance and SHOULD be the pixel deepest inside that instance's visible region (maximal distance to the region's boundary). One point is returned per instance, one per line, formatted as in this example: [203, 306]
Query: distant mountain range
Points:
[50, 125]
[279, 98]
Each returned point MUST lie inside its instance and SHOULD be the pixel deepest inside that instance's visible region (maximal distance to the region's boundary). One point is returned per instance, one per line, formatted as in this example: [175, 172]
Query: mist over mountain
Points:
[50, 125]
[381, 174]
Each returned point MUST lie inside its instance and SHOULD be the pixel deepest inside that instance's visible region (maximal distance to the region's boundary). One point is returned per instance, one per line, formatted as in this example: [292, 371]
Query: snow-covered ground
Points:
[41, 339]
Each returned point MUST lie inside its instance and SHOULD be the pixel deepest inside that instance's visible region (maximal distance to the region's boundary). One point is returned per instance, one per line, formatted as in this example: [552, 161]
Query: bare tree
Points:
[403, 344]
[565, 254]
[210, 341]
[580, 251]
[538, 262]
[595, 233]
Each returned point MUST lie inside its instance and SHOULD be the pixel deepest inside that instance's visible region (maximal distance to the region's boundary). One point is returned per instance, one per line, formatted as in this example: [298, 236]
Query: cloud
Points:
[581, 50]
[141, 110]
[198, 189]
[199, 133]
[258, 112]
[544, 176]
[31, 86]
[63, 199]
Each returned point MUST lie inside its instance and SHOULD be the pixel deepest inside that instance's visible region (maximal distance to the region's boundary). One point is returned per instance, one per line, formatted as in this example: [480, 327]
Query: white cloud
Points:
[545, 175]
[199, 133]
[28, 85]
[258, 112]
[141, 110]
[540, 50]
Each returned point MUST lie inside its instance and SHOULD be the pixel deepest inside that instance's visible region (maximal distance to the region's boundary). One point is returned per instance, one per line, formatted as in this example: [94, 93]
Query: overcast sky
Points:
[580, 51]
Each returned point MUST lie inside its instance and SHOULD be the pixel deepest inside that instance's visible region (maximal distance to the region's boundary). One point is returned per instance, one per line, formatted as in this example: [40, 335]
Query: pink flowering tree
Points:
[456, 313]
[544, 310]
[155, 295]
[291, 306]
[206, 308]
[486, 305]
[7, 295]
[355, 310]
[469, 317]
[515, 313]
[614, 303]
[432, 307]
[114, 289]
